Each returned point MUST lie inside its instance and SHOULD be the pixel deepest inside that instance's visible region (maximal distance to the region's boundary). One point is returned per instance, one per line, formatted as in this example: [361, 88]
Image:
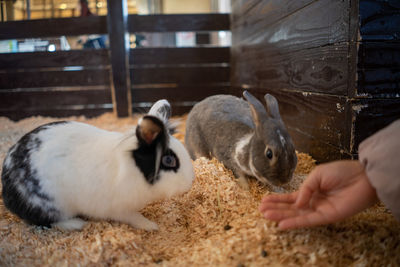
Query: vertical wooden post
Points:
[117, 23]
[28, 9]
[9, 10]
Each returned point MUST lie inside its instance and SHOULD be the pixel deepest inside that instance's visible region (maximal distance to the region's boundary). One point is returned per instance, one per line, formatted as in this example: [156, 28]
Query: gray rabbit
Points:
[247, 138]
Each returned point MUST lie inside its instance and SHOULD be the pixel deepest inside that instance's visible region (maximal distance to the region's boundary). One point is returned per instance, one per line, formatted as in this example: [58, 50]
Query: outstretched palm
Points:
[331, 192]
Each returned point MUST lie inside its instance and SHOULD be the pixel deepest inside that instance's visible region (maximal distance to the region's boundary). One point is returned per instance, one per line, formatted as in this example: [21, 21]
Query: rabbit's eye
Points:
[169, 161]
[269, 153]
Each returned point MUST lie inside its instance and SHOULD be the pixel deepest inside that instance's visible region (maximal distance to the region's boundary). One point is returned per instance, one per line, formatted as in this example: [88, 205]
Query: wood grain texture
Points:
[181, 55]
[320, 151]
[255, 14]
[379, 19]
[57, 59]
[322, 69]
[318, 116]
[181, 22]
[276, 9]
[187, 75]
[36, 79]
[305, 48]
[319, 23]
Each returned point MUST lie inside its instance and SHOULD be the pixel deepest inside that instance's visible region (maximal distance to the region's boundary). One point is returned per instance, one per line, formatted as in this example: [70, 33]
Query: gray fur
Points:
[216, 125]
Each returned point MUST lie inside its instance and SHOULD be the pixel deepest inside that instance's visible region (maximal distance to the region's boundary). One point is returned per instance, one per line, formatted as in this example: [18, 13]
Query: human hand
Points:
[332, 192]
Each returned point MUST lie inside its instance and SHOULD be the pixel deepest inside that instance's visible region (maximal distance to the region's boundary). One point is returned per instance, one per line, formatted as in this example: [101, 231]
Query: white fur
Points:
[70, 224]
[239, 150]
[7, 161]
[91, 172]
[281, 138]
[158, 107]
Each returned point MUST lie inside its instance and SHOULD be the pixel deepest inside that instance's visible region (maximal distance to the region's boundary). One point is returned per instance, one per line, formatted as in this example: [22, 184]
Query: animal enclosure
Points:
[333, 65]
[217, 223]
[93, 81]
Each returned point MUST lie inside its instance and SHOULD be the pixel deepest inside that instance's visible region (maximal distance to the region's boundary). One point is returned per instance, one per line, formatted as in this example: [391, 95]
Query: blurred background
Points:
[12, 10]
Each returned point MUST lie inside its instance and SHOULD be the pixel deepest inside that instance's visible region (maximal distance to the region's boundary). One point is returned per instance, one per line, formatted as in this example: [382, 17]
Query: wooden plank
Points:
[177, 94]
[371, 115]
[379, 55]
[119, 54]
[322, 117]
[37, 79]
[320, 151]
[353, 48]
[319, 23]
[379, 82]
[378, 69]
[182, 55]
[98, 25]
[31, 100]
[65, 111]
[379, 20]
[260, 14]
[187, 75]
[53, 27]
[181, 22]
[88, 57]
[271, 10]
[177, 108]
[322, 69]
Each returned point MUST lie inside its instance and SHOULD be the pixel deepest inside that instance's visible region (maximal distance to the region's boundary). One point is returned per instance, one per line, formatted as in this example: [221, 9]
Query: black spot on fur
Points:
[146, 154]
[21, 184]
[145, 158]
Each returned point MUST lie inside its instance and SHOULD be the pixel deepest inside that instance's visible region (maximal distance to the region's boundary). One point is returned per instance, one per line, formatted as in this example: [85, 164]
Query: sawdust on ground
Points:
[216, 223]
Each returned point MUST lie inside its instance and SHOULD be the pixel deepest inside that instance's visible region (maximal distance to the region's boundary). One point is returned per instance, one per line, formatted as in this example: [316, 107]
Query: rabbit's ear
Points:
[272, 106]
[162, 110]
[257, 109]
[150, 130]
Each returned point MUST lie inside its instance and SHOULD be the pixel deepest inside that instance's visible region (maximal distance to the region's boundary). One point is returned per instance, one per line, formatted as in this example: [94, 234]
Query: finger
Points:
[275, 206]
[310, 185]
[283, 198]
[279, 215]
[304, 220]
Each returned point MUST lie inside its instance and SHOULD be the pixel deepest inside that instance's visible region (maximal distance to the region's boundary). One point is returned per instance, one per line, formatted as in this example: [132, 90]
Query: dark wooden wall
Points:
[79, 82]
[183, 75]
[334, 87]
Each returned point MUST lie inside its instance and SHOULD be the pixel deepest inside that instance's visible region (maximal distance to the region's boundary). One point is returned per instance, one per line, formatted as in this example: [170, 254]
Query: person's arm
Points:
[380, 156]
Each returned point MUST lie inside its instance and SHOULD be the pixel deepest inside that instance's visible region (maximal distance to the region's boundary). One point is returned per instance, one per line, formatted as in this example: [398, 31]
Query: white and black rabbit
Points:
[65, 169]
[247, 138]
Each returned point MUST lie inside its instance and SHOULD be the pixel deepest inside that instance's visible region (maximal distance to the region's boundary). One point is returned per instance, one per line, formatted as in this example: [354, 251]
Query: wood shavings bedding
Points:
[216, 223]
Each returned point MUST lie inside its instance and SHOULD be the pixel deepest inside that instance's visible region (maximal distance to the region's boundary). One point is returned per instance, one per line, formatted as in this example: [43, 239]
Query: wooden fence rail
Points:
[79, 82]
